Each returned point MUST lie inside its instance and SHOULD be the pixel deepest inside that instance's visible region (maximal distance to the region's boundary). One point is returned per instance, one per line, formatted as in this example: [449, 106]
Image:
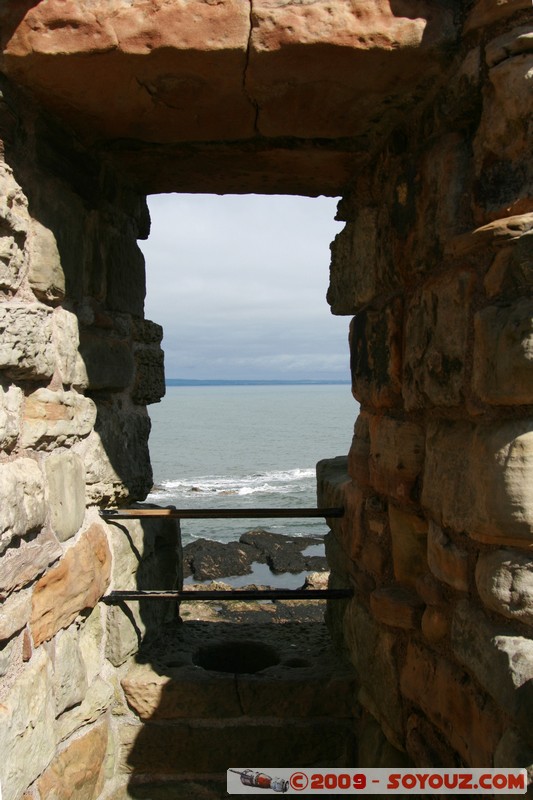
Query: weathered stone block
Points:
[435, 624]
[447, 561]
[108, 361]
[374, 749]
[435, 342]
[26, 341]
[396, 606]
[376, 355]
[356, 270]
[504, 580]
[502, 662]
[116, 457]
[15, 614]
[146, 555]
[98, 698]
[371, 651]
[512, 43]
[76, 773]
[66, 339]
[476, 479]
[358, 457]
[76, 583]
[27, 741]
[22, 505]
[486, 12]
[149, 385]
[45, 274]
[91, 634]
[396, 456]
[53, 418]
[332, 484]
[511, 271]
[65, 476]
[14, 220]
[23, 564]
[466, 717]
[10, 406]
[509, 230]
[70, 678]
[505, 125]
[409, 545]
[503, 354]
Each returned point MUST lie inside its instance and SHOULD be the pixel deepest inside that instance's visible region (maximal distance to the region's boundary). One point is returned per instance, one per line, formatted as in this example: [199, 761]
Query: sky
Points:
[239, 284]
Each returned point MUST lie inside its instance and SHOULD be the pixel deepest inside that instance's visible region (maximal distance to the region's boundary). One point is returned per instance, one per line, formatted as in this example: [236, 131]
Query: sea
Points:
[245, 445]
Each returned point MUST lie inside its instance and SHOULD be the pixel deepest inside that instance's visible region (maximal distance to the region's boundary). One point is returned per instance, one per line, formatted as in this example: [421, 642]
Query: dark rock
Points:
[207, 560]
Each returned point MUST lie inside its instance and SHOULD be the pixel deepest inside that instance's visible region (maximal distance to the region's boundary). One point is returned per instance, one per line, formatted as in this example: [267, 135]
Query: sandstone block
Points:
[486, 12]
[149, 386]
[66, 339]
[372, 652]
[447, 561]
[8, 655]
[76, 583]
[396, 456]
[359, 455]
[376, 355]
[501, 661]
[27, 741]
[76, 772]
[146, 555]
[504, 580]
[53, 418]
[435, 342]
[475, 479]
[10, 406]
[512, 43]
[98, 698]
[108, 361]
[505, 125]
[396, 606]
[183, 693]
[452, 703]
[45, 275]
[22, 505]
[15, 614]
[70, 678]
[116, 457]
[65, 476]
[499, 233]
[409, 545]
[511, 271]
[435, 624]
[23, 564]
[355, 271]
[332, 482]
[503, 354]
[91, 634]
[26, 341]
[14, 220]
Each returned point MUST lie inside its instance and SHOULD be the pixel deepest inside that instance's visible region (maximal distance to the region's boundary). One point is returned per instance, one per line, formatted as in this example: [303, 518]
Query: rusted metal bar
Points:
[220, 513]
[232, 594]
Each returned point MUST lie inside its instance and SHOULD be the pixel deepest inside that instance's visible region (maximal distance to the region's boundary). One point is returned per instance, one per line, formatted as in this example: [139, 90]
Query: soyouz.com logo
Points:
[255, 780]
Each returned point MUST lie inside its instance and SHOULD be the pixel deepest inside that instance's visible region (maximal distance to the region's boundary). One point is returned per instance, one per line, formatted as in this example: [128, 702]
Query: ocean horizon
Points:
[232, 444]
[253, 382]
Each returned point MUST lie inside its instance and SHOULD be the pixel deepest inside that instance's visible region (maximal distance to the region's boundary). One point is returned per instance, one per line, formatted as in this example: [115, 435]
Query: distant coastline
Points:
[188, 382]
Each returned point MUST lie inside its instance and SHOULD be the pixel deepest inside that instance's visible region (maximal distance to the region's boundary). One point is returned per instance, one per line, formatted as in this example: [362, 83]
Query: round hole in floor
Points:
[243, 656]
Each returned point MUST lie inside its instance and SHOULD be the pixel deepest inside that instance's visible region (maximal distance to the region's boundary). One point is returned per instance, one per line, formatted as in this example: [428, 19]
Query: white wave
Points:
[274, 482]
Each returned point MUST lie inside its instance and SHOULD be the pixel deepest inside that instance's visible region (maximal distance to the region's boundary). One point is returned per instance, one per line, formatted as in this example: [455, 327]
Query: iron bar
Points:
[220, 513]
[232, 594]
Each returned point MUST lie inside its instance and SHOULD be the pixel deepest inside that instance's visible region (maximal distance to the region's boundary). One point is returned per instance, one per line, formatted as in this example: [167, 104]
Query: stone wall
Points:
[78, 363]
[436, 262]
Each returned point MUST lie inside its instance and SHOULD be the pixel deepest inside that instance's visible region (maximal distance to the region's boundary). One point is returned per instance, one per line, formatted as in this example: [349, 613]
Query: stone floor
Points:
[235, 685]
